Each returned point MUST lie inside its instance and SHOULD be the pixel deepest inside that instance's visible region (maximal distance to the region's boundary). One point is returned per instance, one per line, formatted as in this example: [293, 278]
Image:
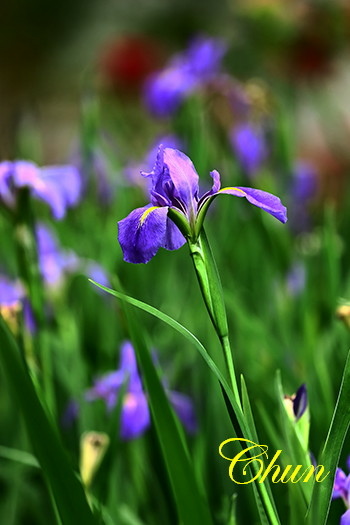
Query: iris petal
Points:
[184, 408]
[262, 199]
[135, 416]
[345, 519]
[173, 238]
[183, 175]
[142, 233]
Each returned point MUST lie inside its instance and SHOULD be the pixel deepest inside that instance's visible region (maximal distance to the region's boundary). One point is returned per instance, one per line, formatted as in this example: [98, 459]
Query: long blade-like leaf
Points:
[64, 485]
[193, 509]
[322, 491]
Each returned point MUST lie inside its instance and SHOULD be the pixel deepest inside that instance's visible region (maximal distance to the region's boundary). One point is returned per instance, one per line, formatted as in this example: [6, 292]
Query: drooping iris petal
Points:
[345, 519]
[58, 186]
[183, 407]
[262, 199]
[25, 173]
[135, 416]
[142, 233]
[173, 237]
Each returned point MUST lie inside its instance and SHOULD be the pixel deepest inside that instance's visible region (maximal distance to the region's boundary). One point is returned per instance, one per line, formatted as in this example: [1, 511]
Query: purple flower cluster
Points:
[185, 73]
[341, 489]
[135, 415]
[58, 186]
[174, 187]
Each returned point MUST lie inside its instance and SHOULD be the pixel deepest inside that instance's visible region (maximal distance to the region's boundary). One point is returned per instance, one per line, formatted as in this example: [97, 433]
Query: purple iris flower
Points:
[249, 144]
[165, 90]
[53, 262]
[135, 415]
[11, 293]
[341, 489]
[132, 170]
[174, 191]
[58, 186]
[12, 299]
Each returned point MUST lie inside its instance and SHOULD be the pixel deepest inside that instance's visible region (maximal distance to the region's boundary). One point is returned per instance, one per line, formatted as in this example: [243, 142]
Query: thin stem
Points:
[212, 293]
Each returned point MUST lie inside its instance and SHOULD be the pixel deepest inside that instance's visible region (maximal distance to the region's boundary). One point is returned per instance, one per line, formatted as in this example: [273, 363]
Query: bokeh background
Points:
[72, 91]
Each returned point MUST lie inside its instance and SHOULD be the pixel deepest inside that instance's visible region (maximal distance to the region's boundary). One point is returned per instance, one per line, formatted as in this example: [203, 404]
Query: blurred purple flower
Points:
[304, 184]
[11, 292]
[296, 279]
[175, 187]
[58, 186]
[135, 415]
[249, 144]
[303, 189]
[186, 72]
[53, 262]
[13, 298]
[341, 489]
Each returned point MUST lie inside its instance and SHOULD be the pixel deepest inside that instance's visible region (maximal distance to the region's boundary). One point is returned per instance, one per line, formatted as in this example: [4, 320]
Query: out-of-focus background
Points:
[257, 89]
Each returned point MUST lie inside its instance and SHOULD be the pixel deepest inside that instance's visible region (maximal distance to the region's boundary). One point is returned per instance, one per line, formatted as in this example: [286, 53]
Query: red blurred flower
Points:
[127, 61]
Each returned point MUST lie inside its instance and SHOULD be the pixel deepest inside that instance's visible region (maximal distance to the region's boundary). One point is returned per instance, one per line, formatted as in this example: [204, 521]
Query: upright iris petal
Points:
[175, 188]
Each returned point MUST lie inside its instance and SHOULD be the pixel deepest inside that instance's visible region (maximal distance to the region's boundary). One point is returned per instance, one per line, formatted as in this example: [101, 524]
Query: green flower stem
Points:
[27, 257]
[212, 293]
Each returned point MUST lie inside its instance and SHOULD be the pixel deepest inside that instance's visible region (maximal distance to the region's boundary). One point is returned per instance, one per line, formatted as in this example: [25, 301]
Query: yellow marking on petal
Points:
[232, 188]
[146, 213]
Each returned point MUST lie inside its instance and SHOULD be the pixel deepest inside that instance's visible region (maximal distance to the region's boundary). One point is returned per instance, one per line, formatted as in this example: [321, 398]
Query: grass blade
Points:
[322, 492]
[65, 487]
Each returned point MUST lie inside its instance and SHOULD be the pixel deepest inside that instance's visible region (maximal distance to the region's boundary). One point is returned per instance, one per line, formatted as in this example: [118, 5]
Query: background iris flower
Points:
[249, 144]
[341, 489]
[59, 186]
[175, 189]
[186, 72]
[135, 415]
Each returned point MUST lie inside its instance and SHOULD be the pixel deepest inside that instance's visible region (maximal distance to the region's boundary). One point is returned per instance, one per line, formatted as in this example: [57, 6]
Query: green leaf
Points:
[65, 487]
[243, 428]
[322, 491]
[20, 456]
[190, 337]
[265, 489]
[191, 505]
